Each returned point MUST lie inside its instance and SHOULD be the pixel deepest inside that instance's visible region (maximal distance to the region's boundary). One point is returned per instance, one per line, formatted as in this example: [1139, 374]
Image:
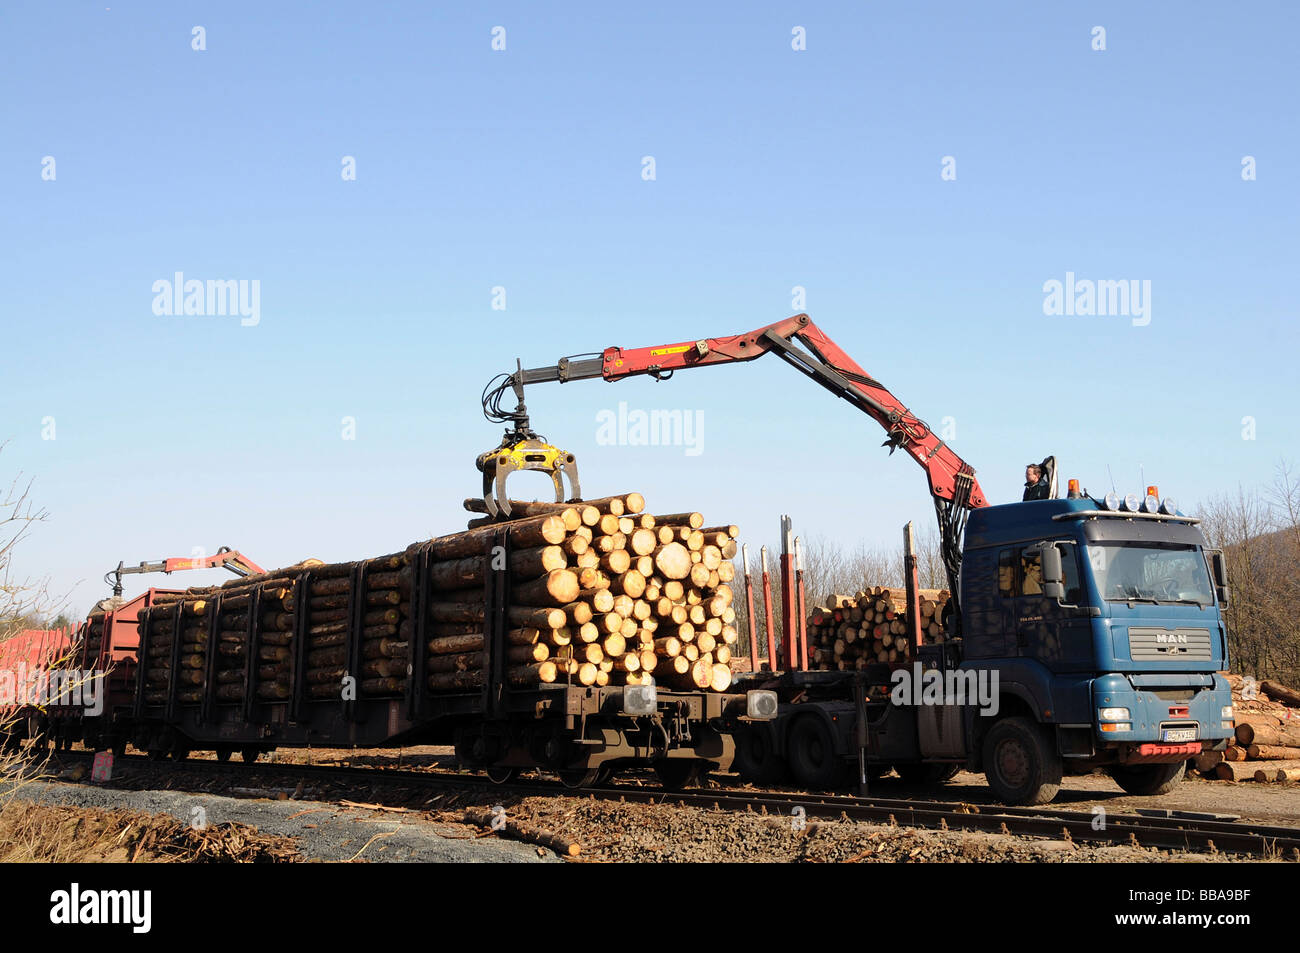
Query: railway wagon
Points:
[25, 658]
[251, 666]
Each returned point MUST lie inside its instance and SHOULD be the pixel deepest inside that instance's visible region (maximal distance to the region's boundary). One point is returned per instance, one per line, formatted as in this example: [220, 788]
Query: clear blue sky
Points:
[523, 169]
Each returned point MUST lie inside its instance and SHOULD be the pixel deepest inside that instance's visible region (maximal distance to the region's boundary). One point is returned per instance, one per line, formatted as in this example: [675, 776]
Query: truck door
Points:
[1056, 633]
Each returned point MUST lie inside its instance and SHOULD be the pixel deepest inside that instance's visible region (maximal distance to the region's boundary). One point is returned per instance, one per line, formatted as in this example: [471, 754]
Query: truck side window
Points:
[1007, 573]
[1070, 574]
[1031, 573]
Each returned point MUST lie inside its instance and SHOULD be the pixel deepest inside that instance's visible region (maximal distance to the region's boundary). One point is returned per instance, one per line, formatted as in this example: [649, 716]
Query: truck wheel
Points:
[813, 761]
[756, 757]
[1149, 778]
[1021, 763]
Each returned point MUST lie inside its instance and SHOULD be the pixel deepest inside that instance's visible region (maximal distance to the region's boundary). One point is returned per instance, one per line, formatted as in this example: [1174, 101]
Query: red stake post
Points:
[767, 613]
[803, 604]
[911, 579]
[750, 622]
[789, 601]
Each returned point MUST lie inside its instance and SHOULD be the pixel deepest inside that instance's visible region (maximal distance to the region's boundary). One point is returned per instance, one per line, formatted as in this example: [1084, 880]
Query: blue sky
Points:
[522, 169]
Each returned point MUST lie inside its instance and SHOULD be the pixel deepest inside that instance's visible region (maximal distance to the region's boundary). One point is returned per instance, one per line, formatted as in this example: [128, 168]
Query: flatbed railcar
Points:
[582, 733]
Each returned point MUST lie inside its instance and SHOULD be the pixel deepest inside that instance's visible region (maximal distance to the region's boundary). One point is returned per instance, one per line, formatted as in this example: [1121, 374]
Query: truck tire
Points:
[813, 761]
[1021, 763]
[1149, 779]
[756, 756]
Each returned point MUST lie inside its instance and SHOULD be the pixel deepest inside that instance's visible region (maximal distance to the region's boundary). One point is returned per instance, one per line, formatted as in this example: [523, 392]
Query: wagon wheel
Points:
[250, 754]
[578, 777]
[677, 773]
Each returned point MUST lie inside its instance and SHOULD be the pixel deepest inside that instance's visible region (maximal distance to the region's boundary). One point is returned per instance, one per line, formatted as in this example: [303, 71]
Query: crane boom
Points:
[223, 558]
[952, 481]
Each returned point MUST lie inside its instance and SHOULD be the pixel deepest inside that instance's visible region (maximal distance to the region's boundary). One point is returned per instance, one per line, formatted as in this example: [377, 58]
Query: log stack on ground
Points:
[600, 593]
[1266, 742]
[852, 632]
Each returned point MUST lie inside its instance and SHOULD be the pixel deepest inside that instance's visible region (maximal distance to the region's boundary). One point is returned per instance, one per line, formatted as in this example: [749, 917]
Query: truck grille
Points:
[1147, 645]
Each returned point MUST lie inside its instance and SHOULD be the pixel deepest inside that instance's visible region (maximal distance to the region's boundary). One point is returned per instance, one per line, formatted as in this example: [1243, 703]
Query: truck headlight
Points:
[761, 704]
[640, 700]
[1118, 726]
[1226, 711]
[1112, 714]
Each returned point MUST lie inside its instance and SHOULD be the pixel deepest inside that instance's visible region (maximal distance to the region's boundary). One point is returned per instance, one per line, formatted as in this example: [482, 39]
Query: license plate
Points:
[1179, 734]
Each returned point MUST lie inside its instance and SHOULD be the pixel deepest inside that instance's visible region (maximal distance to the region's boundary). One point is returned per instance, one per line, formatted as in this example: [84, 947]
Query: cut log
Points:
[1280, 693]
[523, 534]
[1235, 771]
[524, 564]
[1283, 735]
[1274, 771]
[1273, 753]
[673, 561]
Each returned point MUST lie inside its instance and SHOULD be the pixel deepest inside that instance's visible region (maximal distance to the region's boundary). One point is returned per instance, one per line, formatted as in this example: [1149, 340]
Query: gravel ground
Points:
[616, 832]
[323, 831]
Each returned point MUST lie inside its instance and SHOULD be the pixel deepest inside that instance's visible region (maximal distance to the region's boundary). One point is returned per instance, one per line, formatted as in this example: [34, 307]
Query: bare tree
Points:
[23, 604]
[1259, 533]
[22, 601]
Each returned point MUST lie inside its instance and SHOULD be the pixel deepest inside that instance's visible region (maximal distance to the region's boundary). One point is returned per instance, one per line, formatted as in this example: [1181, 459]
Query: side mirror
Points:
[1052, 572]
[1219, 565]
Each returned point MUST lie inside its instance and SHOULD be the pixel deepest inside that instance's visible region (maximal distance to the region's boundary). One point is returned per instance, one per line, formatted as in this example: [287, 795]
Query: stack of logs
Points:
[93, 637]
[852, 632]
[600, 593]
[203, 617]
[1266, 745]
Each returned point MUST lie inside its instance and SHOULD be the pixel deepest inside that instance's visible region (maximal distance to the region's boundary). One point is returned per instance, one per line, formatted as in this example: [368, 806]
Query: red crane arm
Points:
[225, 557]
[951, 478]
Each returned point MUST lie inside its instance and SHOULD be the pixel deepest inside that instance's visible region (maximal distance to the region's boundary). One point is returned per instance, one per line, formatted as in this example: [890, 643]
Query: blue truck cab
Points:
[1103, 625]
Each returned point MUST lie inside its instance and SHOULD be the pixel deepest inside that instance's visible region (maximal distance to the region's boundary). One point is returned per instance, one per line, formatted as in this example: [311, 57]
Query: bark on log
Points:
[1273, 753]
[561, 844]
[523, 534]
[1280, 693]
[1235, 771]
[1287, 735]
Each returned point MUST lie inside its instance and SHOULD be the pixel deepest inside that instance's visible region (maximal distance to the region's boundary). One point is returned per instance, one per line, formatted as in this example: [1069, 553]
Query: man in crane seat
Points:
[1040, 480]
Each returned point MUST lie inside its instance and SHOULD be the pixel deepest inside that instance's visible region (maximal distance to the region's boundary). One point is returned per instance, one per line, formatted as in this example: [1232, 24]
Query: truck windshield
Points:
[1146, 572]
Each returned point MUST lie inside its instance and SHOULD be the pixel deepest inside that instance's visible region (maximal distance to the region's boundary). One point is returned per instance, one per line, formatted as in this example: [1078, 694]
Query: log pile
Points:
[1266, 743]
[600, 593]
[603, 593]
[852, 632]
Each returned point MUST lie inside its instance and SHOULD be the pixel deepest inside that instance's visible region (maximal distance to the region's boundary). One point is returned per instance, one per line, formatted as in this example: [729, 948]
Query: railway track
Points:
[1204, 833]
